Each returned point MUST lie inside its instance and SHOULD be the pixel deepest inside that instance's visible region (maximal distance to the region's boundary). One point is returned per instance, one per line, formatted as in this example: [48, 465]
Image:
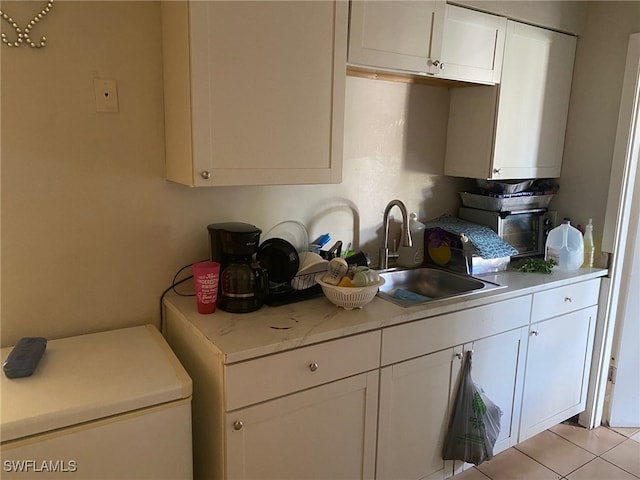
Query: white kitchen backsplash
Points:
[393, 148]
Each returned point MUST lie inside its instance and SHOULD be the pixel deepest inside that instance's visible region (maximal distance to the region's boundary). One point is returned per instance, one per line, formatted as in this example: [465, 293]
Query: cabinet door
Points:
[498, 368]
[514, 129]
[472, 46]
[557, 370]
[397, 35]
[533, 102]
[414, 414]
[324, 432]
[254, 91]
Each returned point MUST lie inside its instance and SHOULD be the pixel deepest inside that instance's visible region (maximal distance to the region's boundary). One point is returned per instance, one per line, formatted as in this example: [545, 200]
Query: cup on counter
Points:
[206, 276]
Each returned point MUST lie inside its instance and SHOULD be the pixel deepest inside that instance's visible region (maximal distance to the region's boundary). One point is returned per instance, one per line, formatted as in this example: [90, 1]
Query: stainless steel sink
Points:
[408, 288]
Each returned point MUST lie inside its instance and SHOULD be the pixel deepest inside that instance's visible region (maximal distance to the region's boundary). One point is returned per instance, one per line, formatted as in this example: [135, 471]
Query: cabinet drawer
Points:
[269, 377]
[431, 334]
[561, 300]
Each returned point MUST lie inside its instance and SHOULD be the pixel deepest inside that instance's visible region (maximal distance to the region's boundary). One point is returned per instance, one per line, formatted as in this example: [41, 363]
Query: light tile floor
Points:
[567, 452]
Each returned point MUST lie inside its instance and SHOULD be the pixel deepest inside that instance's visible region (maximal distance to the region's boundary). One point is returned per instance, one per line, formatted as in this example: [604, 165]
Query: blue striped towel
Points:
[486, 242]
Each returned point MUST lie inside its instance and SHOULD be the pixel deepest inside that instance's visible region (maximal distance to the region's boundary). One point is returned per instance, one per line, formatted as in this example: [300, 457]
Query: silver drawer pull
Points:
[237, 425]
[534, 333]
[313, 366]
[459, 356]
[567, 299]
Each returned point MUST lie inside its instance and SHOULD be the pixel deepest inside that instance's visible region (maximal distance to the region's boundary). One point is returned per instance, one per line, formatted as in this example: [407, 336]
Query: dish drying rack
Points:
[304, 281]
[301, 287]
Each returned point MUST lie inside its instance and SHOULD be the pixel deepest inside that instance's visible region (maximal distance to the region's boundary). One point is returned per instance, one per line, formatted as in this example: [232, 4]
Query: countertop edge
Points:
[242, 337]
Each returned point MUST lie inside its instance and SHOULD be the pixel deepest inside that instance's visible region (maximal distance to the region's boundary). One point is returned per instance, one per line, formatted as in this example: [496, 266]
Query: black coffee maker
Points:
[243, 283]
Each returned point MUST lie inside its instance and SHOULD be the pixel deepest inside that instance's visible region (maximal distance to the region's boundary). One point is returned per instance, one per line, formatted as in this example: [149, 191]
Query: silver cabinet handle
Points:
[496, 171]
[534, 333]
[205, 174]
[237, 425]
[460, 356]
[567, 299]
[313, 366]
[438, 64]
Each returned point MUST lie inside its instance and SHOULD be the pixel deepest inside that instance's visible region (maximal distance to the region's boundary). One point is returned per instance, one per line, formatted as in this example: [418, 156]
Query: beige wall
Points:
[565, 16]
[92, 233]
[593, 112]
[603, 30]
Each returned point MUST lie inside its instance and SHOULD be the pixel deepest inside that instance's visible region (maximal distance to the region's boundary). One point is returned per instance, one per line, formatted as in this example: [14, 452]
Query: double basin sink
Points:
[417, 286]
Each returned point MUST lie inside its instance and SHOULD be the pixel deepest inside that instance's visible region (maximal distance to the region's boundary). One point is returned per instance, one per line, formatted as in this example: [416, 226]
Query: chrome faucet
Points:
[405, 239]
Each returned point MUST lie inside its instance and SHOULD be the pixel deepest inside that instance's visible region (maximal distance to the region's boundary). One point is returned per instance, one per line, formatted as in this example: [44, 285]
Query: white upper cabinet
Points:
[396, 35]
[254, 91]
[427, 38]
[472, 46]
[517, 129]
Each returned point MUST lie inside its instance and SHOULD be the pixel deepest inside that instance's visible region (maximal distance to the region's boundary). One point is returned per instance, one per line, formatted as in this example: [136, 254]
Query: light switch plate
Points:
[106, 95]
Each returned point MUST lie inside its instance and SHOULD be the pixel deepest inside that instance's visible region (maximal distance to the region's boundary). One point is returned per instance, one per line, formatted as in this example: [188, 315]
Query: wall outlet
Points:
[106, 95]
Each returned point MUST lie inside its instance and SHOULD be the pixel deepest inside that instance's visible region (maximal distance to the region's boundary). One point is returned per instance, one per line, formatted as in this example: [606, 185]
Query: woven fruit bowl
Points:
[349, 297]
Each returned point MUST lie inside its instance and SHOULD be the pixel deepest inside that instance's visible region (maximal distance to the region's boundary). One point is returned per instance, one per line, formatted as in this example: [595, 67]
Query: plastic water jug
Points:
[565, 247]
[414, 255]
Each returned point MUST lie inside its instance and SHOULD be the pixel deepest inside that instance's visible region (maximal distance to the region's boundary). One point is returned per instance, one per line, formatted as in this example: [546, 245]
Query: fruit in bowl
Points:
[354, 290]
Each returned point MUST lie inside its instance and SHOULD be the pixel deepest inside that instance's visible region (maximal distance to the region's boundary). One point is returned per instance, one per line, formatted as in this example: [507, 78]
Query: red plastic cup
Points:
[206, 276]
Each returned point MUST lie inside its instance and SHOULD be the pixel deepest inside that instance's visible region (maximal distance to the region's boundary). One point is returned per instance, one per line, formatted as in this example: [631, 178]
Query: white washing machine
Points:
[110, 405]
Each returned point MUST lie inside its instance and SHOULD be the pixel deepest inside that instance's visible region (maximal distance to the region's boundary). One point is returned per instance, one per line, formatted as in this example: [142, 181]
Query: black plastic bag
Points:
[475, 422]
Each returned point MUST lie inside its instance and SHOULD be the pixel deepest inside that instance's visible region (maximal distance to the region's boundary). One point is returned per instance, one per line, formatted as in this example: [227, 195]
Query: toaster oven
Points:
[525, 230]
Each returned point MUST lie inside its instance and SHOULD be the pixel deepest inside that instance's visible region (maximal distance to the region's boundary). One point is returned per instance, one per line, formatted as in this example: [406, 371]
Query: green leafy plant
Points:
[537, 265]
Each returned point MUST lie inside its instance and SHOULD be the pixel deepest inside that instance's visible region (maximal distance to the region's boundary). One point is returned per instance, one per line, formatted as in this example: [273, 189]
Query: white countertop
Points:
[244, 336]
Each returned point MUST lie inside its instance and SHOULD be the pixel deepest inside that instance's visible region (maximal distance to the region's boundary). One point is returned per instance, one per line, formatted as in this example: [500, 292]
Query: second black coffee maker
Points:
[243, 283]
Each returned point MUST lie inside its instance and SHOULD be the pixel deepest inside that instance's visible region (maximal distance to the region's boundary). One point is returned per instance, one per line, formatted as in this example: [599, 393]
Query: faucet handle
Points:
[393, 254]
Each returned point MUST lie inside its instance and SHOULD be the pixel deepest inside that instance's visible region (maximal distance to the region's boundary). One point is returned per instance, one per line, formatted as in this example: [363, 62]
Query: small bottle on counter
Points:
[413, 256]
[589, 247]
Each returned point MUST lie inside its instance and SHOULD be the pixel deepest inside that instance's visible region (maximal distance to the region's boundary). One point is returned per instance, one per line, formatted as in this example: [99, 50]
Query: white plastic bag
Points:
[475, 422]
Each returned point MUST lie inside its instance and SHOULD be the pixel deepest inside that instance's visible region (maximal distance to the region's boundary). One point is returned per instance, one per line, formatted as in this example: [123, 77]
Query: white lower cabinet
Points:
[309, 412]
[414, 410]
[498, 367]
[304, 413]
[557, 373]
[417, 396]
[325, 432]
[559, 355]
[378, 404]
